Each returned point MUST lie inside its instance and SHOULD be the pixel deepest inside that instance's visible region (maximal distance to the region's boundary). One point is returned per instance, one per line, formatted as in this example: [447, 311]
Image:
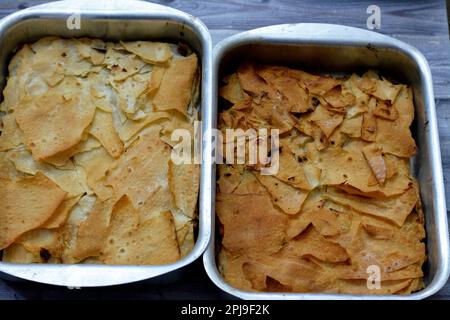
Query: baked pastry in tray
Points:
[85, 153]
[342, 214]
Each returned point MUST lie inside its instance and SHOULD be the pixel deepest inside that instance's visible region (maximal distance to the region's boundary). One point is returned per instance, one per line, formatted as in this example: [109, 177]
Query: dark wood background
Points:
[422, 24]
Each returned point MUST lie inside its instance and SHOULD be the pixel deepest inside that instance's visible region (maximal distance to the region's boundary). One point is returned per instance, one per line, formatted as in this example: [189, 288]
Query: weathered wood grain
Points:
[422, 24]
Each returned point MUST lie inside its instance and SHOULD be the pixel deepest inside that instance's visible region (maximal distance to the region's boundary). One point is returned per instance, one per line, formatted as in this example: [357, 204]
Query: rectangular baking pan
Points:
[340, 49]
[113, 20]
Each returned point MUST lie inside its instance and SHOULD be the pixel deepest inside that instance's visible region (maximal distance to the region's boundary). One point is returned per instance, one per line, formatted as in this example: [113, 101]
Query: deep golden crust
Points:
[343, 204]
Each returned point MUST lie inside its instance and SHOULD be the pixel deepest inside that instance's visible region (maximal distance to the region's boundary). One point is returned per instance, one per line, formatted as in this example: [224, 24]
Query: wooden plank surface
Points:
[422, 24]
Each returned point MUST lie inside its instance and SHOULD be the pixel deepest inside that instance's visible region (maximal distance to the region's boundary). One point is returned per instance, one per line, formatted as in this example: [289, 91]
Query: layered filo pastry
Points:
[343, 212]
[85, 153]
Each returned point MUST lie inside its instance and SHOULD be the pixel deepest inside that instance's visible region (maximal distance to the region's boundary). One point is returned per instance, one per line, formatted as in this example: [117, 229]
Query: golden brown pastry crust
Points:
[85, 146]
[343, 199]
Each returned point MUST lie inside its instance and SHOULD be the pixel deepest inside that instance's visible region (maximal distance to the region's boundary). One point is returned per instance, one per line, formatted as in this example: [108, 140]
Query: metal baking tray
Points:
[113, 20]
[341, 49]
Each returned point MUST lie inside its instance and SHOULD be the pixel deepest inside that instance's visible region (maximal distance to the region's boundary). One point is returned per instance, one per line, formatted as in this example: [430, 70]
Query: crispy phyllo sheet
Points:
[343, 207]
[85, 153]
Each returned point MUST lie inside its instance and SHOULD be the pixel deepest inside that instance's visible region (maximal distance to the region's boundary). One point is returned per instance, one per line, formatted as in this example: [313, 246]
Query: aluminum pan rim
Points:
[88, 275]
[329, 34]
